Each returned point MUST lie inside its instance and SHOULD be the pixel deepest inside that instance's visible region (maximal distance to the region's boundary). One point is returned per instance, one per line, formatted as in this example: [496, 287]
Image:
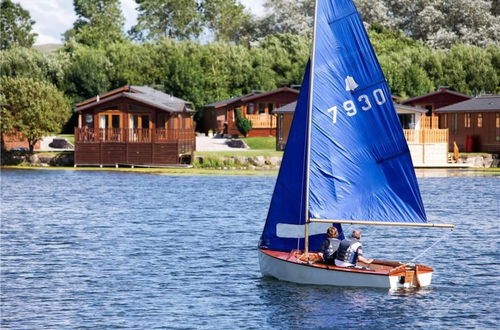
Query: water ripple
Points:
[114, 250]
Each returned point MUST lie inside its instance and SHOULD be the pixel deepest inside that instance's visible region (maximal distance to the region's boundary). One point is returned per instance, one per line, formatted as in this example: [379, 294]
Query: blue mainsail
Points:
[359, 164]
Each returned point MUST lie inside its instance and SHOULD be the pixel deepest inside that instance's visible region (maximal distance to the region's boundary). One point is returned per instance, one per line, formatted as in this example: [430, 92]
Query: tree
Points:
[99, 22]
[244, 125]
[15, 26]
[177, 19]
[225, 18]
[32, 108]
[31, 63]
[288, 16]
[439, 23]
[88, 73]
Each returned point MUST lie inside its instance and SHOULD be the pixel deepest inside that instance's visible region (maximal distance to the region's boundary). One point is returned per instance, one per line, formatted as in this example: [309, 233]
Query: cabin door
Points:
[140, 125]
[109, 127]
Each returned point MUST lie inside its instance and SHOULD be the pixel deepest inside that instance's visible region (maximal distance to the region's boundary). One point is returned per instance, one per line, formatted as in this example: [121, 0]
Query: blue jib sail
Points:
[360, 166]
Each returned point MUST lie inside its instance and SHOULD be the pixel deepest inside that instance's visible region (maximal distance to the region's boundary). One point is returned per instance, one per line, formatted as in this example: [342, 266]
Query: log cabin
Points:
[428, 147]
[220, 117]
[15, 140]
[134, 125]
[474, 124]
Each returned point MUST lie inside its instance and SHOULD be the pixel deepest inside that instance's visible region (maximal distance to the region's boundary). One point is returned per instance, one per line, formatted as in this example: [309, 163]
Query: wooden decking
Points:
[111, 146]
[426, 135]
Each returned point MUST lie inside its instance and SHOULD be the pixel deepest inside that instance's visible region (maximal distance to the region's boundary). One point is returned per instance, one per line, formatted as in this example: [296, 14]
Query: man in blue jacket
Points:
[351, 251]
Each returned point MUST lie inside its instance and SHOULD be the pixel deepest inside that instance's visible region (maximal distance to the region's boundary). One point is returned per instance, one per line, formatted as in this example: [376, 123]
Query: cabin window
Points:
[407, 120]
[428, 107]
[139, 128]
[109, 127]
[250, 109]
[454, 122]
[479, 120]
[444, 120]
[89, 120]
[467, 120]
[162, 120]
[262, 108]
[497, 125]
[270, 107]
[109, 121]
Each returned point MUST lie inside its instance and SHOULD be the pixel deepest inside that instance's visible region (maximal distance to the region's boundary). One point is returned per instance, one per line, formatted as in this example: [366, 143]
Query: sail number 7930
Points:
[364, 103]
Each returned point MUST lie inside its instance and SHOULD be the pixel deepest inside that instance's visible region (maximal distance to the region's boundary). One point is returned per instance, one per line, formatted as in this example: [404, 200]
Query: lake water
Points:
[107, 250]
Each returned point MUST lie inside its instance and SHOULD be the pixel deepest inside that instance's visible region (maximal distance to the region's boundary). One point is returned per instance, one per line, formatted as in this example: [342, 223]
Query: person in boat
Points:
[351, 251]
[329, 247]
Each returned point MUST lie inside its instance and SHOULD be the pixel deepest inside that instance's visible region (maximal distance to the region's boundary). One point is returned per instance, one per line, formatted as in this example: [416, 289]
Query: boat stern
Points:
[410, 276]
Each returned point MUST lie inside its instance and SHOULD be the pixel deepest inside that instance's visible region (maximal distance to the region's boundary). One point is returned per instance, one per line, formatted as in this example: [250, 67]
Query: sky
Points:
[54, 17]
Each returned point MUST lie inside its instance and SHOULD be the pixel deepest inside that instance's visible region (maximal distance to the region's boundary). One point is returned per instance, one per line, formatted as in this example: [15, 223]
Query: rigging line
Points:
[430, 247]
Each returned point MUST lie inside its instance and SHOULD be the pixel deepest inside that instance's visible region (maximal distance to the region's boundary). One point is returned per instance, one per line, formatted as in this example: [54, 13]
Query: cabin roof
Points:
[274, 91]
[478, 103]
[287, 108]
[249, 97]
[225, 102]
[441, 90]
[143, 94]
[409, 108]
[290, 108]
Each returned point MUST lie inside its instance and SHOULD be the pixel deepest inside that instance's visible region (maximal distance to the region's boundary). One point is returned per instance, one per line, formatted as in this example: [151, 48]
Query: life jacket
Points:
[330, 253]
[347, 250]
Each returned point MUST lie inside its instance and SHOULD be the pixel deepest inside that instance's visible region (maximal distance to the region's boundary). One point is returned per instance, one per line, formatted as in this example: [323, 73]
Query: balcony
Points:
[262, 121]
[426, 136]
[132, 135]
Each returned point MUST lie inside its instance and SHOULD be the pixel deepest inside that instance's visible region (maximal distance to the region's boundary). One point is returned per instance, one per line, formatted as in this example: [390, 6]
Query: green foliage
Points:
[15, 26]
[31, 107]
[178, 19]
[99, 22]
[88, 73]
[31, 63]
[244, 125]
[225, 18]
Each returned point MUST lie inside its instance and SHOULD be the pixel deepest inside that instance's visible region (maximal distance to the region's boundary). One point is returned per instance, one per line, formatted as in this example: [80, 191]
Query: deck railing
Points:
[185, 136]
[426, 135]
[262, 121]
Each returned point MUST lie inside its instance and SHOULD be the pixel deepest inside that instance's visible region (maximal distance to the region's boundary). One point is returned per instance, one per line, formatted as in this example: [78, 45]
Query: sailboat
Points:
[346, 162]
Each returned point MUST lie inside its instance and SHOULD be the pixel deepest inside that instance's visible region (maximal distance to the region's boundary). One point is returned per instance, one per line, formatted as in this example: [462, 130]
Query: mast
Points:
[309, 122]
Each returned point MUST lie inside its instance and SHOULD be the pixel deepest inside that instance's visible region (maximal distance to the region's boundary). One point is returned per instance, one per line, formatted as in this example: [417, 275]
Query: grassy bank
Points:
[157, 171]
[261, 143]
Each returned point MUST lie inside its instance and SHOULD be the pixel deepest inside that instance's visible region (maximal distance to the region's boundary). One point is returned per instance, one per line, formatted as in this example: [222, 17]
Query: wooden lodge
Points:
[134, 125]
[15, 140]
[428, 146]
[474, 124]
[220, 117]
[432, 101]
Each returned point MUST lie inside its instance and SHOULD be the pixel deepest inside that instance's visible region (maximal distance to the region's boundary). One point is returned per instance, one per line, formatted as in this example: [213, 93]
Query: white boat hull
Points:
[304, 273]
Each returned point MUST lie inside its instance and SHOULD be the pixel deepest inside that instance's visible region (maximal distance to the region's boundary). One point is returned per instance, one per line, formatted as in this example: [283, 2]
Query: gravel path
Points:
[205, 143]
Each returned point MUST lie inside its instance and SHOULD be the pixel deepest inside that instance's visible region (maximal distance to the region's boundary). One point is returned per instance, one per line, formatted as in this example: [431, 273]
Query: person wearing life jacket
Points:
[328, 249]
[351, 251]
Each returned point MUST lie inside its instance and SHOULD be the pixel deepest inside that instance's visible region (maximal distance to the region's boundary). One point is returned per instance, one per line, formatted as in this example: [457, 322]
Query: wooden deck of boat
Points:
[378, 267]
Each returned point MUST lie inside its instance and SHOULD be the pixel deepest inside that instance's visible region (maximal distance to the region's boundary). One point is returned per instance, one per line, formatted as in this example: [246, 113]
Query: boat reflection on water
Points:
[293, 305]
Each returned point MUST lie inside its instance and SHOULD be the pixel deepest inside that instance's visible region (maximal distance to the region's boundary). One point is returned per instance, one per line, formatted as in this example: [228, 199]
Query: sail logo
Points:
[350, 84]
[365, 101]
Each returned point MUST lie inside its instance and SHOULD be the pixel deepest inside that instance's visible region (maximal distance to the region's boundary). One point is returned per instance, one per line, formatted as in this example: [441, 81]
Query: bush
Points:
[244, 125]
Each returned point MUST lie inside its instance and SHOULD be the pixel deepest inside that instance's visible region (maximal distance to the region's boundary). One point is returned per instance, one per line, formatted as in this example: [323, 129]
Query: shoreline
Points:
[194, 171]
[158, 171]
